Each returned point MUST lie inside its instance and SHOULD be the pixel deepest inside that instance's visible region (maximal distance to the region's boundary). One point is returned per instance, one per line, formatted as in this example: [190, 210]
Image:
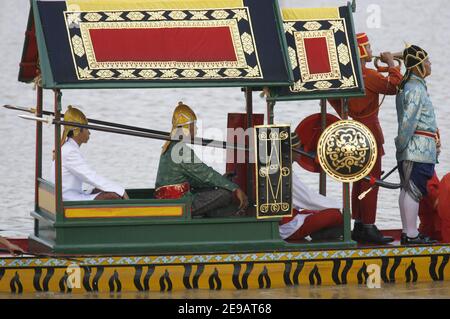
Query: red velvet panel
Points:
[171, 44]
[317, 53]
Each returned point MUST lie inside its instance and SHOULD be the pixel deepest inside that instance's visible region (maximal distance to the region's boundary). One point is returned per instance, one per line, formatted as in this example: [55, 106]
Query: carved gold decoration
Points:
[73, 19]
[199, 15]
[135, 16]
[212, 73]
[344, 54]
[233, 73]
[77, 44]
[274, 172]
[323, 85]
[126, 74]
[220, 14]
[348, 82]
[156, 15]
[93, 16]
[85, 73]
[253, 72]
[247, 43]
[335, 72]
[293, 57]
[105, 73]
[82, 46]
[289, 27]
[190, 73]
[177, 15]
[347, 151]
[232, 24]
[339, 54]
[337, 26]
[312, 26]
[114, 16]
[147, 74]
[171, 73]
[240, 14]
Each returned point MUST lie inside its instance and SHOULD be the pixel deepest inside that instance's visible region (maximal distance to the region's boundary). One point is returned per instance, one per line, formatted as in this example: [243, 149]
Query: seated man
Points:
[314, 215]
[180, 170]
[76, 171]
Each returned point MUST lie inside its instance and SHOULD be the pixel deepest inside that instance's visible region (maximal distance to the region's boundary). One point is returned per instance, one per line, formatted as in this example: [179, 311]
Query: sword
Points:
[362, 195]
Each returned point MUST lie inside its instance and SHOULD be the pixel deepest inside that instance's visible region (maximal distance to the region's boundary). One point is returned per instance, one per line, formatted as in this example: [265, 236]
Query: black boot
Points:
[419, 240]
[328, 233]
[357, 231]
[371, 234]
[403, 239]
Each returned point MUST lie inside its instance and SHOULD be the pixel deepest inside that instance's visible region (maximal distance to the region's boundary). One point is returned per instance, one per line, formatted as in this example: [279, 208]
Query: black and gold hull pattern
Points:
[226, 271]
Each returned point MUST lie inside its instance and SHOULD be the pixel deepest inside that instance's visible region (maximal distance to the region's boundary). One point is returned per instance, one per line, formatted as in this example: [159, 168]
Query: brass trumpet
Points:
[398, 56]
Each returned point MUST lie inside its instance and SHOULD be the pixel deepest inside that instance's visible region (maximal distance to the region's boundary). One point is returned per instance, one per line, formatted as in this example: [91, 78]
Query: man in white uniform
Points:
[75, 169]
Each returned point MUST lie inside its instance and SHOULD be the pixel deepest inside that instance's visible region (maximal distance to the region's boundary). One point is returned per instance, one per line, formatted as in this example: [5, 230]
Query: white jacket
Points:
[76, 171]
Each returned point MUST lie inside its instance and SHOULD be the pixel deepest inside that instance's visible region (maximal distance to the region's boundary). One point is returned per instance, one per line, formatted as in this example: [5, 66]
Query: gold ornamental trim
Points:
[347, 151]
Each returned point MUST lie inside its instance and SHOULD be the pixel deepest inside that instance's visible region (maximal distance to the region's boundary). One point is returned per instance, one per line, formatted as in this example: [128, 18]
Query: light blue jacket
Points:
[415, 112]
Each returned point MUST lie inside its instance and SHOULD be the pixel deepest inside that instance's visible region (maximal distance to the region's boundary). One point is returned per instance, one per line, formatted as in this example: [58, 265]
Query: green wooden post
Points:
[249, 110]
[38, 160]
[346, 189]
[58, 179]
[38, 167]
[323, 120]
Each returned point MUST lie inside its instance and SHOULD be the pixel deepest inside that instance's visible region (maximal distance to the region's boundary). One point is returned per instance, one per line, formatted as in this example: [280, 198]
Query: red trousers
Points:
[365, 210]
[316, 221]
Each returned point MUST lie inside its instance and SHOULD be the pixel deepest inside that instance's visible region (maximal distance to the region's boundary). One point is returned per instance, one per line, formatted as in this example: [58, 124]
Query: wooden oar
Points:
[41, 255]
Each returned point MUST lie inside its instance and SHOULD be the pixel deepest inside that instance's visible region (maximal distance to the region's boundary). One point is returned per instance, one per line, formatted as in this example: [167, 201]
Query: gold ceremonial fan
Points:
[347, 151]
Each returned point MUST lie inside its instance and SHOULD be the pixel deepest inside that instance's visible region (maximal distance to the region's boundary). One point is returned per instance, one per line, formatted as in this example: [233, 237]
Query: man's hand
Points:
[125, 196]
[13, 249]
[388, 58]
[243, 199]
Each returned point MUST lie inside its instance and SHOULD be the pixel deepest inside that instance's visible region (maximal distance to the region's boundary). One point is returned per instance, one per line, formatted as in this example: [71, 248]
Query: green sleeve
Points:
[201, 175]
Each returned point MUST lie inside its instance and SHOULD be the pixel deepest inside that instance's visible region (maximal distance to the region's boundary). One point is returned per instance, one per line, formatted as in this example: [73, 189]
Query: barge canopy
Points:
[148, 43]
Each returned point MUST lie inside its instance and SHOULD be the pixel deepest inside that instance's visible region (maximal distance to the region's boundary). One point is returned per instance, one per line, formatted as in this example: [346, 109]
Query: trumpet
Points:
[398, 57]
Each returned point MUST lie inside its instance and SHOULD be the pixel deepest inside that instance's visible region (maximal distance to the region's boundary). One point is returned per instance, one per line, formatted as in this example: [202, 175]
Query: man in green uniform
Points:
[182, 173]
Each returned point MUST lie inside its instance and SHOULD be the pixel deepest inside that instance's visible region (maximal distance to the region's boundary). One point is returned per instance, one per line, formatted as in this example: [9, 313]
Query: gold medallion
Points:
[347, 151]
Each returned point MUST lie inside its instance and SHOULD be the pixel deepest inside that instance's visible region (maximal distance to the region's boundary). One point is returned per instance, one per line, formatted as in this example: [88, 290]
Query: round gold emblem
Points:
[347, 151]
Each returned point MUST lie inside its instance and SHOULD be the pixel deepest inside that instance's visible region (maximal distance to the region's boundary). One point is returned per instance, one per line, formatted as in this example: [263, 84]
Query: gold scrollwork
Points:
[285, 171]
[347, 151]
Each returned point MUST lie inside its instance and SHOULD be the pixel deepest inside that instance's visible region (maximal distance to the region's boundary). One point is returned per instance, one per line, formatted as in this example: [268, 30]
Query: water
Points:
[133, 161]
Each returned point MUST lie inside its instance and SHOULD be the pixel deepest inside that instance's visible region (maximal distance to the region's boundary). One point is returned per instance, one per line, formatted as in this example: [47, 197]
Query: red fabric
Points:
[444, 207]
[366, 209]
[169, 44]
[430, 221]
[236, 159]
[308, 131]
[172, 191]
[317, 55]
[316, 221]
[434, 209]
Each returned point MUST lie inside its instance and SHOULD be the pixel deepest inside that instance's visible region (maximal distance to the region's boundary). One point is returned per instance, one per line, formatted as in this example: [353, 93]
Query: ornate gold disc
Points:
[347, 151]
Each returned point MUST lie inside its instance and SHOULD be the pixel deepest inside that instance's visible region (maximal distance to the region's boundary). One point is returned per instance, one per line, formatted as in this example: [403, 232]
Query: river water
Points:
[133, 161]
